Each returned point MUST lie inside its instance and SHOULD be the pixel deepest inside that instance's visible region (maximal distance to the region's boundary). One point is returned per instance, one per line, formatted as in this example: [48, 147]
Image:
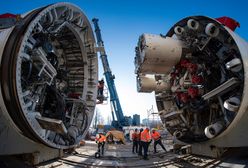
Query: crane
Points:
[114, 99]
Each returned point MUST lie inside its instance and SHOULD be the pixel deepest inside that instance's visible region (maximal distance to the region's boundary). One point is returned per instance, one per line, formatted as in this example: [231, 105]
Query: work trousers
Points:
[101, 147]
[160, 143]
[100, 91]
[140, 147]
[135, 146]
[145, 146]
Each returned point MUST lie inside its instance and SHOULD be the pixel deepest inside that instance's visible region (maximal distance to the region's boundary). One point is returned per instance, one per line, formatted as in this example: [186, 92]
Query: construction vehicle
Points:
[116, 109]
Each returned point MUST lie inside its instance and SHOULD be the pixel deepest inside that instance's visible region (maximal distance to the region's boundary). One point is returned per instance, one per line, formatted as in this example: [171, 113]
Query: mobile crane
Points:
[114, 99]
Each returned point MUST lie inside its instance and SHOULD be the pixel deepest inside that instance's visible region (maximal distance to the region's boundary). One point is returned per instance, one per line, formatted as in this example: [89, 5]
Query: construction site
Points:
[62, 106]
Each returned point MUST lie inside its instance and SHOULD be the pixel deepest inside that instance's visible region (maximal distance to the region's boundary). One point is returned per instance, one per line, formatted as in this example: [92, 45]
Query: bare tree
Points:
[98, 119]
[109, 120]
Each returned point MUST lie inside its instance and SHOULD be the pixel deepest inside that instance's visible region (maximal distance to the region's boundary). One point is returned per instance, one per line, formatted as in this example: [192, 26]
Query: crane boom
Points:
[114, 99]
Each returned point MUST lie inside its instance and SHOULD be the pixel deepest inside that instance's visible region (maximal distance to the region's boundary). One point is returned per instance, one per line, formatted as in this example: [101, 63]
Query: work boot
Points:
[146, 158]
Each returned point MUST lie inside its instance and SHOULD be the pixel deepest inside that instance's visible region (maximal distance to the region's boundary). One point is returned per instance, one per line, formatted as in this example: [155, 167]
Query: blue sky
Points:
[123, 21]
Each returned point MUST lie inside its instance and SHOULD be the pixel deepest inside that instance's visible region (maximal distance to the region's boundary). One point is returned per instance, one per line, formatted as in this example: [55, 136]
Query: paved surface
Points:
[116, 155]
[122, 156]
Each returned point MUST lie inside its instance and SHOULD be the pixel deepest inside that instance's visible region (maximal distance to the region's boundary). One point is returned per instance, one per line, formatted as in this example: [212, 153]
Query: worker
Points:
[139, 142]
[100, 140]
[100, 87]
[135, 139]
[145, 138]
[157, 140]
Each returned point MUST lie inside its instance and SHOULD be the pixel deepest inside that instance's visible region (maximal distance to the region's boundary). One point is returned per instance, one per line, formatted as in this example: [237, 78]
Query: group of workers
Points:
[142, 139]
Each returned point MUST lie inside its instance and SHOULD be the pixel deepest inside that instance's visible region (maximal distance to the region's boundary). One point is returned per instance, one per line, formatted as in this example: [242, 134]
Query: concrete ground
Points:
[121, 156]
[116, 155]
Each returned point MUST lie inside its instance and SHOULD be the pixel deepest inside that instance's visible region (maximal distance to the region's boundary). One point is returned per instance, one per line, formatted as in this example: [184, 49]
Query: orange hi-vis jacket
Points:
[145, 136]
[156, 136]
[101, 139]
[135, 136]
[138, 136]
